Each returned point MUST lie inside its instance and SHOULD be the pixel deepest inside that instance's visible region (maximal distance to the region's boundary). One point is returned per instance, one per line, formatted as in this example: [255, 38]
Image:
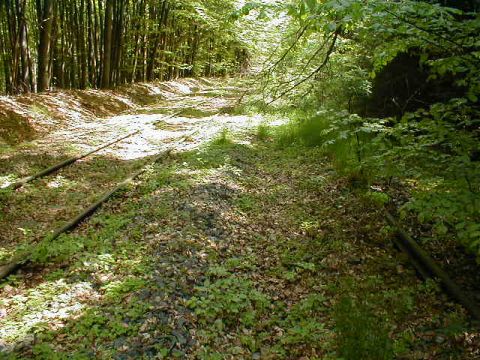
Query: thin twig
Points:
[317, 70]
[308, 63]
[299, 36]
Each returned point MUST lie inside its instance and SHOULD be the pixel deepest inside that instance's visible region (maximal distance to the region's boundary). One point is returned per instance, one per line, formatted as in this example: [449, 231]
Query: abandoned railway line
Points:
[207, 208]
[425, 266]
[50, 170]
[21, 257]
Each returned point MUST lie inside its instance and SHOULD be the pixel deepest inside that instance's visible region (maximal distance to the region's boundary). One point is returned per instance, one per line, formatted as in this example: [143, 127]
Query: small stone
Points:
[439, 339]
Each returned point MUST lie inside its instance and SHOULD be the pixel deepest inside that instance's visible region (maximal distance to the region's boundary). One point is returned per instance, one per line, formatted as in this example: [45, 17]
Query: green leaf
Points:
[473, 98]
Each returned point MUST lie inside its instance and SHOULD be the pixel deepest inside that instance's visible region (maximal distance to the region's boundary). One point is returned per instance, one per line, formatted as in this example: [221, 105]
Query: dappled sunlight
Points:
[58, 297]
[236, 179]
[48, 203]
[58, 182]
[7, 180]
[234, 224]
[158, 134]
[46, 306]
[202, 119]
[178, 87]
[5, 253]
[63, 116]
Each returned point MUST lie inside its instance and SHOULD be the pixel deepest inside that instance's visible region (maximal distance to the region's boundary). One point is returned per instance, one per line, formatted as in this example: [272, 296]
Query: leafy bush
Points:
[432, 142]
[426, 149]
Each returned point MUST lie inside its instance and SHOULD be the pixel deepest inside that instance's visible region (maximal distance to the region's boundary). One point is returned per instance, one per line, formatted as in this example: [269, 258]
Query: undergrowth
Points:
[442, 180]
[360, 334]
[214, 257]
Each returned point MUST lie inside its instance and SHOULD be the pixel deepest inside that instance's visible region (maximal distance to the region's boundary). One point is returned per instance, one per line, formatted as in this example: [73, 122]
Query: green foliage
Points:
[229, 302]
[432, 152]
[223, 139]
[347, 138]
[211, 43]
[305, 131]
[302, 323]
[377, 198]
[434, 149]
[59, 250]
[263, 132]
[246, 203]
[108, 324]
[115, 290]
[44, 352]
[360, 334]
[6, 193]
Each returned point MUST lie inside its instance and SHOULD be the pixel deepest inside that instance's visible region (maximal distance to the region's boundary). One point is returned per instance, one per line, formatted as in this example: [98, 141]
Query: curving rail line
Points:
[48, 171]
[23, 258]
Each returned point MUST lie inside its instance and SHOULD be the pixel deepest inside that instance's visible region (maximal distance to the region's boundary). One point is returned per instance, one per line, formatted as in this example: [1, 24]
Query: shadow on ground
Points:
[237, 251]
[117, 287]
[41, 206]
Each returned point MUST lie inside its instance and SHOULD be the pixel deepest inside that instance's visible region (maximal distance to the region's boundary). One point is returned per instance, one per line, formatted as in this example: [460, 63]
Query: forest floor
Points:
[229, 248]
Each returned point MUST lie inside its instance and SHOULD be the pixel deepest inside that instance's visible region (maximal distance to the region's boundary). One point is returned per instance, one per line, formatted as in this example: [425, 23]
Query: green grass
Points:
[246, 203]
[360, 334]
[224, 139]
[263, 132]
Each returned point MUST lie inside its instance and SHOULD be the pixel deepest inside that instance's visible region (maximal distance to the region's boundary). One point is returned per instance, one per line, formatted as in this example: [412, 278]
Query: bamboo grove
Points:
[48, 44]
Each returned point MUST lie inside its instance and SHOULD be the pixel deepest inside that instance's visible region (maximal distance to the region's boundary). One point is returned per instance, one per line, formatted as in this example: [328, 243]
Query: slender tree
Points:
[45, 14]
[104, 43]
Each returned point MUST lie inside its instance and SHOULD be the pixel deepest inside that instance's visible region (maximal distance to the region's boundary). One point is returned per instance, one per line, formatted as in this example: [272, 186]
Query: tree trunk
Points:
[46, 21]
[107, 44]
[25, 74]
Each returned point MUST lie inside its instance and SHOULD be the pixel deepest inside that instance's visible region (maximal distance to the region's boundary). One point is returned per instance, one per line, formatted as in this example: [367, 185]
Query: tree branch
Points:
[299, 36]
[317, 70]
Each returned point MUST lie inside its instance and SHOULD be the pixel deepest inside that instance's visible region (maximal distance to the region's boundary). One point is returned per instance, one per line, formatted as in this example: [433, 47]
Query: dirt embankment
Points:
[26, 117]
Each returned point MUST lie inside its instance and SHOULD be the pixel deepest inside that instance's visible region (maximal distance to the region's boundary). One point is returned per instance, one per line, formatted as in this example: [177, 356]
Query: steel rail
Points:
[50, 170]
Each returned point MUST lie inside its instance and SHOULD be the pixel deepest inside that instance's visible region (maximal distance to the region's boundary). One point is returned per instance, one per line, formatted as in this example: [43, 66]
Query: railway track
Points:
[404, 242]
[52, 169]
[427, 268]
[23, 257]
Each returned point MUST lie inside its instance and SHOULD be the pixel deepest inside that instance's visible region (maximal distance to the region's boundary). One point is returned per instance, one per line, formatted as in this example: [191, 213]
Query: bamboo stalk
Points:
[427, 266]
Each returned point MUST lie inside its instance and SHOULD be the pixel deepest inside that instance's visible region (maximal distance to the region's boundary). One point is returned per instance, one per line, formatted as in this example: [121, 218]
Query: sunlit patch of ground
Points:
[45, 307]
[32, 116]
[81, 279]
[78, 126]
[172, 121]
